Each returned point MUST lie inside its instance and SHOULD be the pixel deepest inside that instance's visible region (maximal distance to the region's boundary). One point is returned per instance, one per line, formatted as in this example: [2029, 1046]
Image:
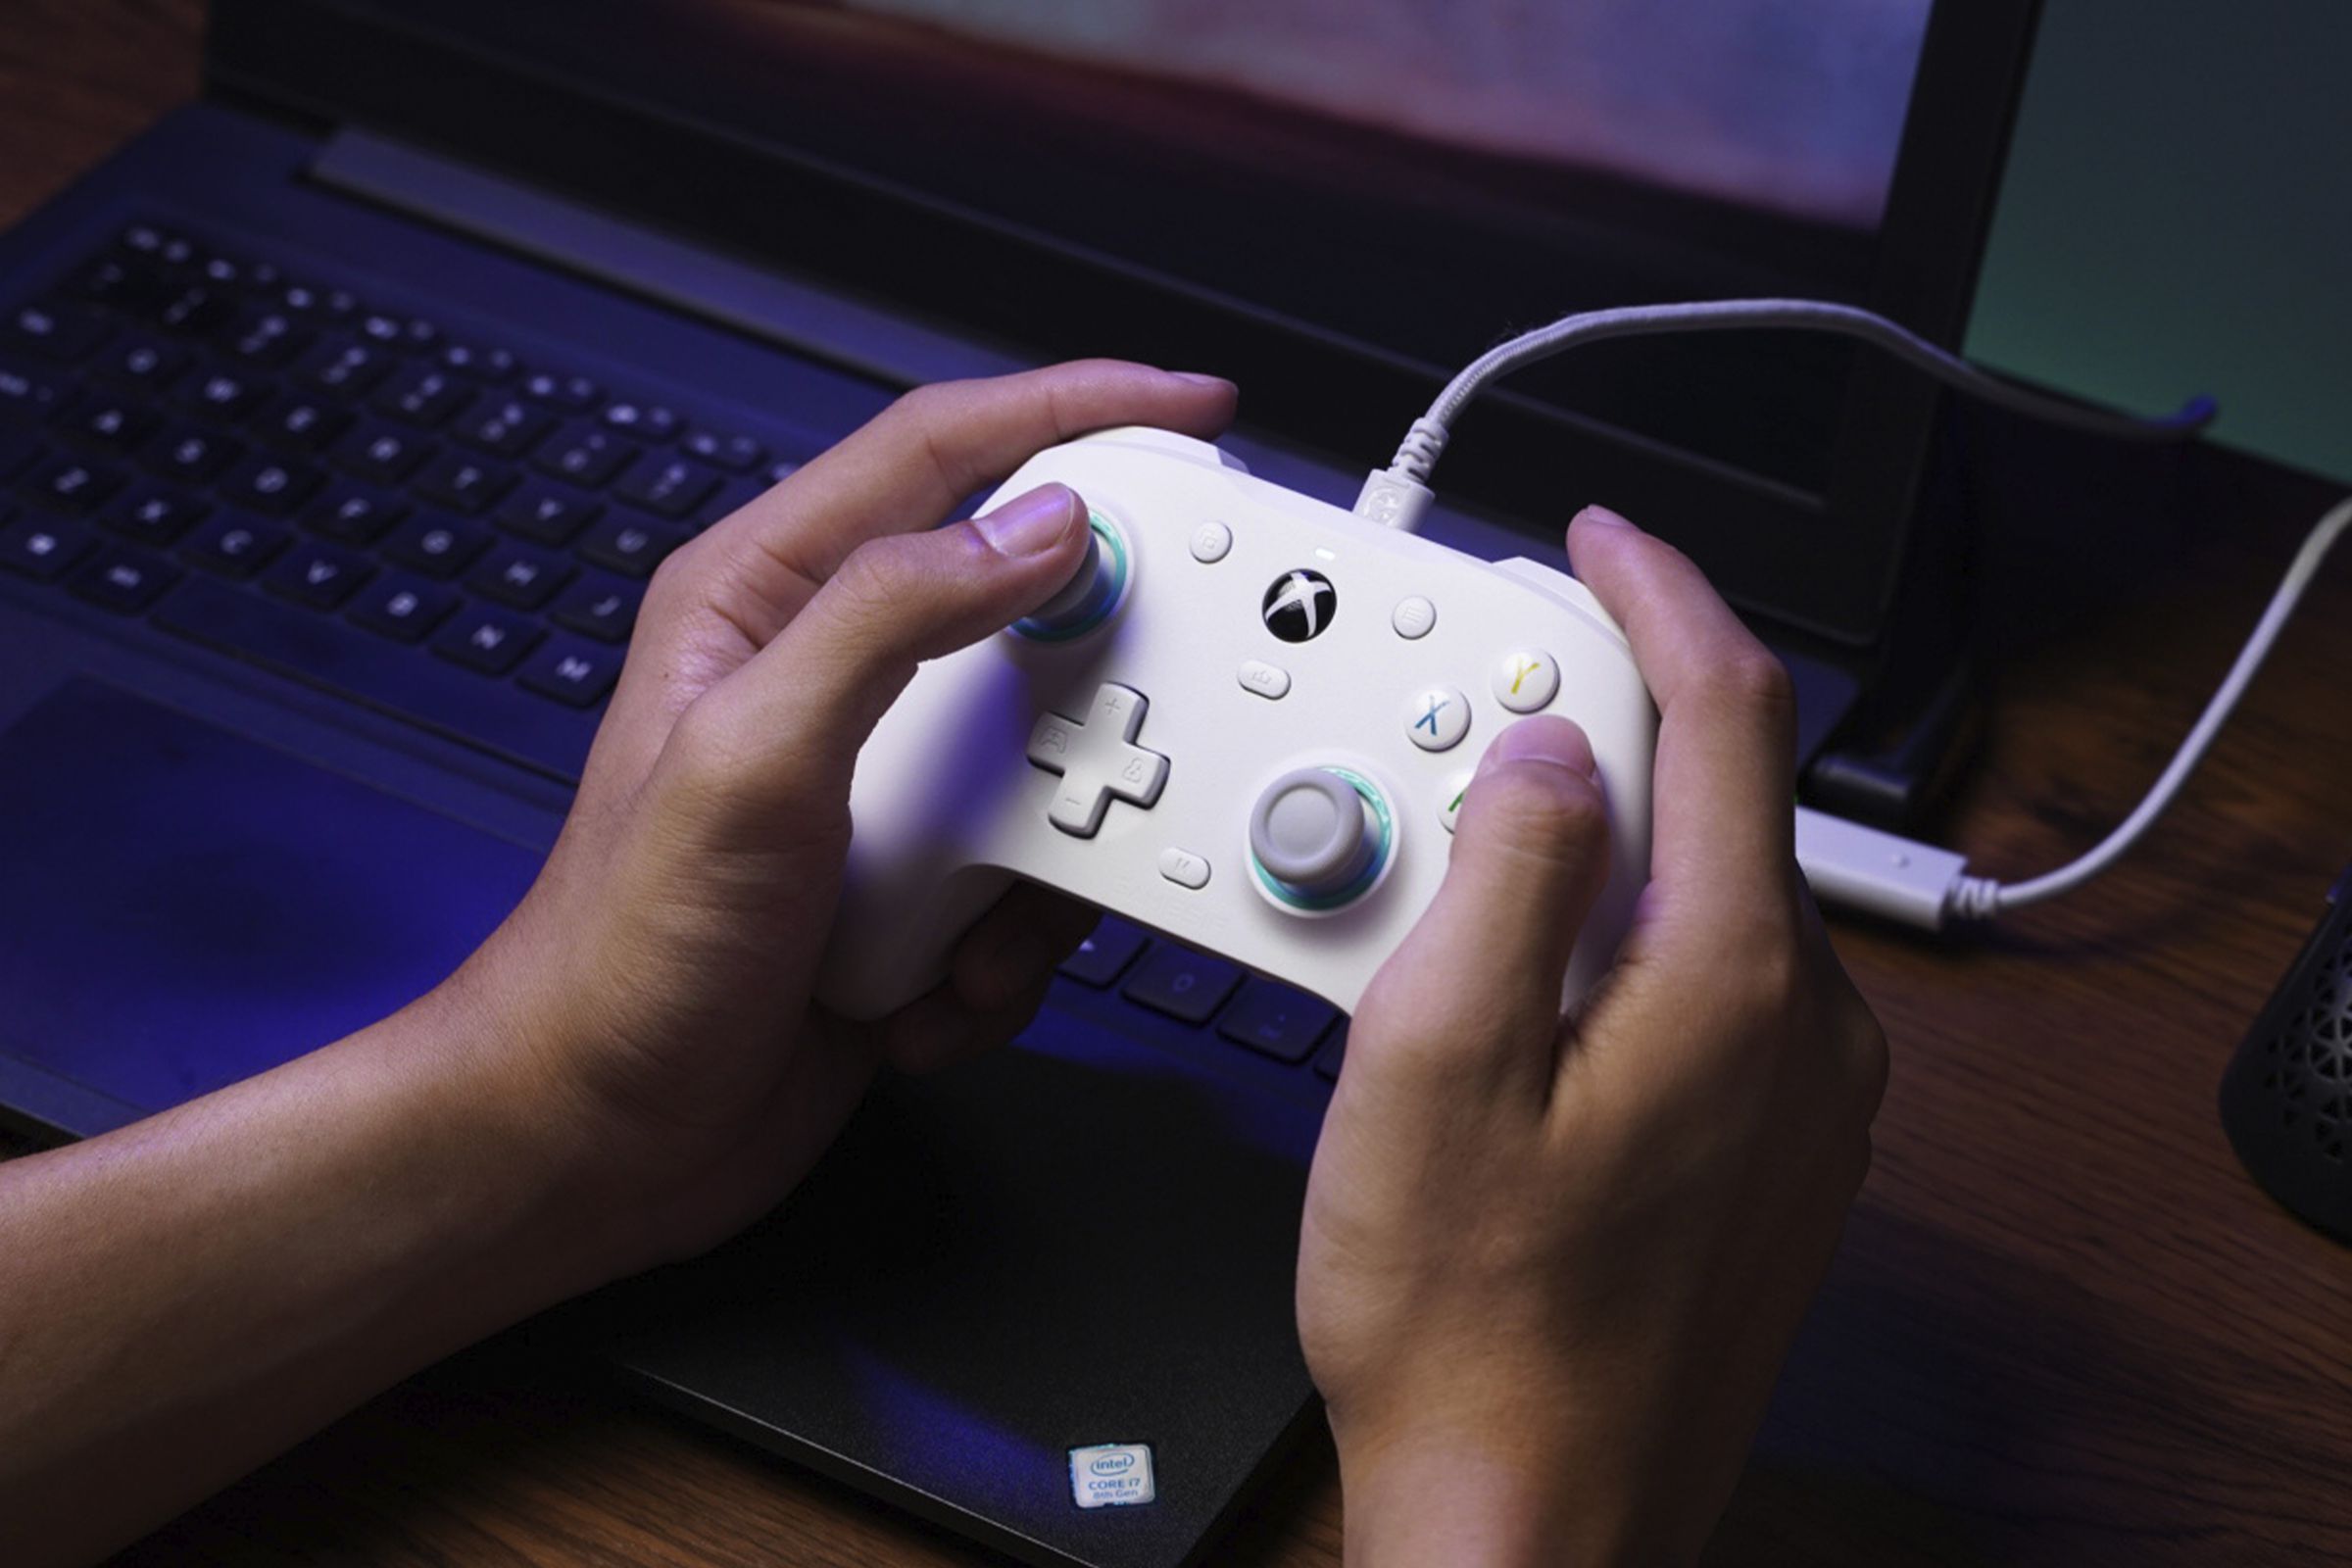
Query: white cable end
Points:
[1394, 499]
[1880, 873]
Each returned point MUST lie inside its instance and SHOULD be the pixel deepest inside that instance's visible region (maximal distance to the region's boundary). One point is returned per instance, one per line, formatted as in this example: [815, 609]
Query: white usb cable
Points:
[1399, 495]
[1845, 862]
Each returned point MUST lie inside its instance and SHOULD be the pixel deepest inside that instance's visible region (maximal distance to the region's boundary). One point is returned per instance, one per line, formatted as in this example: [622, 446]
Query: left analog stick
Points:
[1092, 592]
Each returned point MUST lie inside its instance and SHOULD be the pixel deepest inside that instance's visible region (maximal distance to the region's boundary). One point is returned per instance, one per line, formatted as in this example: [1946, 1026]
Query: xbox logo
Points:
[1299, 605]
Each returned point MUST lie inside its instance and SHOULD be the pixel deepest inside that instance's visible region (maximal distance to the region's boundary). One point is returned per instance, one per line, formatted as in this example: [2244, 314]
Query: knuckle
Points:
[1754, 681]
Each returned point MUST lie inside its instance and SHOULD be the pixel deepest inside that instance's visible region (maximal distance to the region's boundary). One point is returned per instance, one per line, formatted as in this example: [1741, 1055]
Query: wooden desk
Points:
[2065, 1328]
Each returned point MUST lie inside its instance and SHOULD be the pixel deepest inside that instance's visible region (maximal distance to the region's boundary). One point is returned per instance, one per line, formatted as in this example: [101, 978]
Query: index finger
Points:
[1725, 781]
[906, 468]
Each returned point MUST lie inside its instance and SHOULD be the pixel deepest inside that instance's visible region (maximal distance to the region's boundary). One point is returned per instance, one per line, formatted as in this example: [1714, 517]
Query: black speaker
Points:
[2286, 1100]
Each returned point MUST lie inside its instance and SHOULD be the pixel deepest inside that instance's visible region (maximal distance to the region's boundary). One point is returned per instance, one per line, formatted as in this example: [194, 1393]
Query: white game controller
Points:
[1248, 723]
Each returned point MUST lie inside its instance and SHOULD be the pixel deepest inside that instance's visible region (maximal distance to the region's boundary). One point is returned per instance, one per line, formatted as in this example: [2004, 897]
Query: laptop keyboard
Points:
[439, 528]
[266, 464]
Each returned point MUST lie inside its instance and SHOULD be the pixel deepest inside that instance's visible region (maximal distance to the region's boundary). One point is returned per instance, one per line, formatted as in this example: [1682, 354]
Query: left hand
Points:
[653, 990]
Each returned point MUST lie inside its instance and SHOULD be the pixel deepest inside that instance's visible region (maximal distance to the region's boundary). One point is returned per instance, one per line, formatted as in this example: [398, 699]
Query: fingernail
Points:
[1547, 740]
[1599, 514]
[1031, 523]
[1198, 379]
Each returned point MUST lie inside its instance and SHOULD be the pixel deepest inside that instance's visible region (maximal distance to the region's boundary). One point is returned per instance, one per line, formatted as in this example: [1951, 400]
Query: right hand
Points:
[1549, 1266]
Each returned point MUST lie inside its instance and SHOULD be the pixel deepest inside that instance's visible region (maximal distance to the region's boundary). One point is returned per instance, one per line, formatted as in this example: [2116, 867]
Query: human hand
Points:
[654, 986]
[1550, 1267]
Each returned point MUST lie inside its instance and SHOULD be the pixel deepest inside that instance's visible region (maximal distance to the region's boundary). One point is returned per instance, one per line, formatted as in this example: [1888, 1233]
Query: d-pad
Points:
[1098, 759]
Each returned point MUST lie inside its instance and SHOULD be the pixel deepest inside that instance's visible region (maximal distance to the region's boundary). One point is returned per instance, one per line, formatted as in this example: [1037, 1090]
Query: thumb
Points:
[1481, 970]
[798, 710]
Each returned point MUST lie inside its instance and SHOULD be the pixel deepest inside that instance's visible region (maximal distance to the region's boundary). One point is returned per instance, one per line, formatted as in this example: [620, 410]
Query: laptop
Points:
[345, 413]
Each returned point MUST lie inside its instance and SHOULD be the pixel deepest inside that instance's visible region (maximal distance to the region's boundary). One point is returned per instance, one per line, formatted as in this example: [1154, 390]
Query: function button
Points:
[1280, 1020]
[1413, 617]
[1525, 679]
[1267, 680]
[1102, 957]
[1436, 717]
[1450, 805]
[1097, 759]
[1210, 542]
[1184, 868]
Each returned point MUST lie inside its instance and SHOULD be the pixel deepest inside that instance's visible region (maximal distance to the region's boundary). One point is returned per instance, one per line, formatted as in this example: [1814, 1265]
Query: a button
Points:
[1450, 805]
[1092, 592]
[1184, 868]
[1097, 759]
[1318, 836]
[1413, 617]
[1210, 541]
[1525, 679]
[1436, 717]
[1267, 680]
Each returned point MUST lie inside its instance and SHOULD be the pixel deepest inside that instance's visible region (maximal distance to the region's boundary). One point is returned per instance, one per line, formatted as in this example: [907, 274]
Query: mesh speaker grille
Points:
[2286, 1100]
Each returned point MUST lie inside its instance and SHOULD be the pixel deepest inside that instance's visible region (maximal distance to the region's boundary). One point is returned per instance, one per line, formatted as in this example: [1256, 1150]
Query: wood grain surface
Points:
[2064, 1329]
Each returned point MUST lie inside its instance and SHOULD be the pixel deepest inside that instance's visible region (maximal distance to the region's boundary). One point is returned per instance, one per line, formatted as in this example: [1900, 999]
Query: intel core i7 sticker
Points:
[1111, 1475]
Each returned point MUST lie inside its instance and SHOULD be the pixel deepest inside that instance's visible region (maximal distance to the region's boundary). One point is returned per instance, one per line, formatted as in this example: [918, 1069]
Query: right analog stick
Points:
[1319, 836]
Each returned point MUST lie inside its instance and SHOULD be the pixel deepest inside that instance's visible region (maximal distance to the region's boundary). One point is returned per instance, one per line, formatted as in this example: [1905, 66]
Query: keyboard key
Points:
[344, 367]
[70, 485]
[669, 486]
[333, 655]
[235, 544]
[300, 422]
[403, 608]
[464, 483]
[423, 396]
[504, 427]
[62, 334]
[28, 397]
[600, 607]
[383, 454]
[268, 338]
[102, 420]
[41, 549]
[436, 545]
[585, 455]
[278, 486]
[140, 363]
[196, 309]
[219, 393]
[154, 517]
[319, 575]
[1102, 957]
[1181, 983]
[189, 455]
[413, 334]
[1334, 1056]
[572, 671]
[483, 365]
[306, 302]
[143, 240]
[122, 580]
[737, 454]
[520, 575]
[18, 449]
[1281, 1021]
[548, 514]
[574, 394]
[486, 638]
[354, 513]
[121, 283]
[642, 421]
[631, 548]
